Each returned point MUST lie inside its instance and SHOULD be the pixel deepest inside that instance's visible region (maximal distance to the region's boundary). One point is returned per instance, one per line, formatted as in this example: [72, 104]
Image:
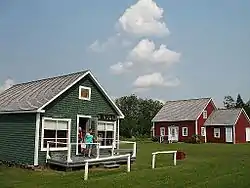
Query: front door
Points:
[173, 133]
[229, 134]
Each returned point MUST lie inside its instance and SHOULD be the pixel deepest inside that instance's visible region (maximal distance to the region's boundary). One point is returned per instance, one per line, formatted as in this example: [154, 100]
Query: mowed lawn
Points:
[206, 165]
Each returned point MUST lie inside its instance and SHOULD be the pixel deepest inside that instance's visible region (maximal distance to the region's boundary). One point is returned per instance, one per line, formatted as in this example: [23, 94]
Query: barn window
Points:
[84, 93]
[204, 114]
[55, 131]
[203, 131]
[184, 131]
[216, 132]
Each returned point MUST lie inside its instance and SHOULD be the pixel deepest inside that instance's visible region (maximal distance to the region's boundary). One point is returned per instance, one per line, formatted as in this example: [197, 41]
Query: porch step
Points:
[112, 166]
[109, 162]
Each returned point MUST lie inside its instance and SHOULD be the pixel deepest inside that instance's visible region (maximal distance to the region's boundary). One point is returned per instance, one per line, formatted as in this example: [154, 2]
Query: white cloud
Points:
[145, 51]
[155, 80]
[6, 85]
[97, 46]
[143, 19]
[121, 68]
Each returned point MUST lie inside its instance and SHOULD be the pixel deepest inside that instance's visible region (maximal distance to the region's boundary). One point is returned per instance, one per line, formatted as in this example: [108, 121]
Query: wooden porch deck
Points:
[78, 161]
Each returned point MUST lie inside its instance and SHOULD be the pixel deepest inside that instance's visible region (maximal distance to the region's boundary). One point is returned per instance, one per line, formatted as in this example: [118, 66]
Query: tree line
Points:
[139, 112]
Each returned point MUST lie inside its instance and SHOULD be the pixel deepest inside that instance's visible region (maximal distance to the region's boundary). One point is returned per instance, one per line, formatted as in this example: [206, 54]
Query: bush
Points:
[195, 139]
[155, 139]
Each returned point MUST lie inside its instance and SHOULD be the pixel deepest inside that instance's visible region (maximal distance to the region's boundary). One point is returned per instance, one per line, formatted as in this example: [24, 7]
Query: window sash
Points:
[107, 129]
[205, 114]
[217, 132]
[184, 131]
[61, 130]
[202, 131]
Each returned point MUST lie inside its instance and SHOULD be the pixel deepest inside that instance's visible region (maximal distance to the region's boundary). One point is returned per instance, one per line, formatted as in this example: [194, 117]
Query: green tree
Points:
[138, 115]
[239, 102]
[229, 102]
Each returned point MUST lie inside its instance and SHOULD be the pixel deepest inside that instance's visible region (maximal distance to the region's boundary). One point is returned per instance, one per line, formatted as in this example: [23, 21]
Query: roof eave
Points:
[22, 112]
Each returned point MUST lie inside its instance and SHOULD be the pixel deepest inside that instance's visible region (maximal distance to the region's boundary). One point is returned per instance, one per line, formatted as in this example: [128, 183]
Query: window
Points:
[203, 131]
[105, 131]
[84, 93]
[184, 131]
[216, 132]
[204, 114]
[55, 130]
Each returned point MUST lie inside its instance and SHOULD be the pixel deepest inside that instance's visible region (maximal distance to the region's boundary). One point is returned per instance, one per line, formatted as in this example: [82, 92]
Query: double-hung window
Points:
[56, 131]
[184, 131]
[105, 131]
[216, 132]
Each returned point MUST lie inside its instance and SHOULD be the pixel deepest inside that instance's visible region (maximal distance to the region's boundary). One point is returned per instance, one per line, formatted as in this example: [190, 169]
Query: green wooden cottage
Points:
[52, 109]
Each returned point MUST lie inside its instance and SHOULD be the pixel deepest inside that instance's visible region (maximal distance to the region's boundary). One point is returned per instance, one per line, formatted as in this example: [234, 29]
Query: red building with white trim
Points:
[180, 120]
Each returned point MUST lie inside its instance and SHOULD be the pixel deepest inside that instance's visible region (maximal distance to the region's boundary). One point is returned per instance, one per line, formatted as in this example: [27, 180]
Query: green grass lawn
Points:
[206, 165]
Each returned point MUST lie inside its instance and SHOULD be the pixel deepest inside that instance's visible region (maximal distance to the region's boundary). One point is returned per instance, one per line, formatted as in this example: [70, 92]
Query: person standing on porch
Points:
[89, 142]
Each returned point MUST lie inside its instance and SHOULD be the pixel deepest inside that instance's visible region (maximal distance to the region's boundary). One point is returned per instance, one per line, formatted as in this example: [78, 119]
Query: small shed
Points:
[228, 126]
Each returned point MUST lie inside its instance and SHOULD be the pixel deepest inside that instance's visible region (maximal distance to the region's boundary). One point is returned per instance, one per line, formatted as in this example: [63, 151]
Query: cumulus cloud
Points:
[144, 19]
[6, 85]
[145, 51]
[121, 68]
[155, 80]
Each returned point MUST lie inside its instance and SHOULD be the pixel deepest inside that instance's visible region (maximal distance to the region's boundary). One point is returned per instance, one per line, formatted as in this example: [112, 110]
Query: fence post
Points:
[134, 149]
[153, 161]
[128, 163]
[86, 171]
[175, 158]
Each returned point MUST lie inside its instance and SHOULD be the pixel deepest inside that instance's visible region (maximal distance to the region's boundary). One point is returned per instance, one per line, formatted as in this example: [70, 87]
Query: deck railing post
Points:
[98, 150]
[69, 153]
[86, 171]
[47, 152]
[128, 163]
[174, 158]
[113, 149]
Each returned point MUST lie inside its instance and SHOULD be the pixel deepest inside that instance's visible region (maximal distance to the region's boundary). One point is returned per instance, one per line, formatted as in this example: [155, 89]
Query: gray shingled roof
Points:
[223, 117]
[33, 95]
[181, 110]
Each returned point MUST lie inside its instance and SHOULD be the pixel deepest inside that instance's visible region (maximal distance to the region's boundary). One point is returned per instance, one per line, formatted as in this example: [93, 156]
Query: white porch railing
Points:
[106, 159]
[163, 152]
[69, 160]
[69, 149]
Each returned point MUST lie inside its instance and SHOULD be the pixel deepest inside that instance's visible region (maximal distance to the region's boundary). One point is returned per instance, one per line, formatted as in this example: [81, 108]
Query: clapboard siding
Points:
[17, 138]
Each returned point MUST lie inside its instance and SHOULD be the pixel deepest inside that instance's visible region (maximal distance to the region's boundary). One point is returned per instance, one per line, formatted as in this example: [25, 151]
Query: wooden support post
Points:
[174, 158]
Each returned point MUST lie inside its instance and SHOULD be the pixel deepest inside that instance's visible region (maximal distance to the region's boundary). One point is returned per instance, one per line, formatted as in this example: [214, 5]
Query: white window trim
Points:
[204, 131]
[216, 130]
[114, 133]
[163, 128]
[84, 98]
[204, 114]
[42, 135]
[183, 128]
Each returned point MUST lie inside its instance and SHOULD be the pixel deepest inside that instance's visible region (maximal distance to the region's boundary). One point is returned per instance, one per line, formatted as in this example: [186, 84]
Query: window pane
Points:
[84, 93]
[110, 126]
[62, 125]
[101, 127]
[51, 145]
[101, 138]
[49, 133]
[62, 134]
[109, 139]
[59, 145]
[50, 124]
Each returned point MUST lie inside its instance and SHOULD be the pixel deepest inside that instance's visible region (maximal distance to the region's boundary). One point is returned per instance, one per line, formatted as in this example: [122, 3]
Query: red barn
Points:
[228, 125]
[180, 120]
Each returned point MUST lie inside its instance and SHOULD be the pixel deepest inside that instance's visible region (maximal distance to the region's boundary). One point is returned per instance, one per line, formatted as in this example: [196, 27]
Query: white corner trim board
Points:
[163, 152]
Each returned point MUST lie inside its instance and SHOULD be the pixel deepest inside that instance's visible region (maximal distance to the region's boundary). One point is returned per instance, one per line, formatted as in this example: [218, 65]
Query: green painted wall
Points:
[69, 105]
[17, 138]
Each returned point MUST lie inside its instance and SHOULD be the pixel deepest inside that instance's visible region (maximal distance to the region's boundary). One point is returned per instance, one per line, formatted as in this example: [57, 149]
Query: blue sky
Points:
[207, 52]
